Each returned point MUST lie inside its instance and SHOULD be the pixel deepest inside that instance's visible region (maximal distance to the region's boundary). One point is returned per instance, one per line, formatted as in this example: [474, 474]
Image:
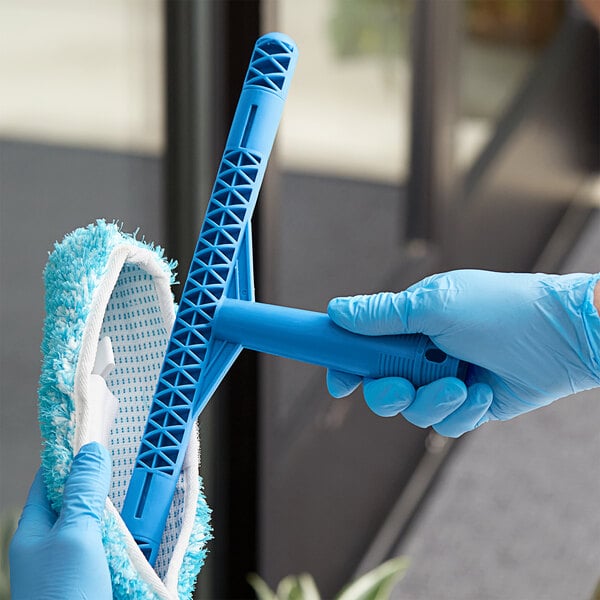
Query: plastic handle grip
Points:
[312, 337]
[181, 388]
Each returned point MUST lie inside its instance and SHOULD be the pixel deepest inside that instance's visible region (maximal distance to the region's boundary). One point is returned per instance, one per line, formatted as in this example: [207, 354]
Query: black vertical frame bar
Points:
[435, 78]
[207, 48]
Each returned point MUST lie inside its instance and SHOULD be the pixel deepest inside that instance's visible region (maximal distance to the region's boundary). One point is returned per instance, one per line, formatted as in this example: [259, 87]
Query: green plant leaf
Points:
[301, 587]
[308, 587]
[260, 587]
[287, 588]
[376, 584]
[8, 526]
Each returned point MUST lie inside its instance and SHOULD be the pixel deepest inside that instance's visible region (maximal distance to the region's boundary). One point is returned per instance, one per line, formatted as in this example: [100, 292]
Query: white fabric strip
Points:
[134, 281]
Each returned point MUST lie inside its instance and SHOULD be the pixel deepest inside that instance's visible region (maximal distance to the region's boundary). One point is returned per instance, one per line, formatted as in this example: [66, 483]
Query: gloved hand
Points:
[62, 558]
[531, 338]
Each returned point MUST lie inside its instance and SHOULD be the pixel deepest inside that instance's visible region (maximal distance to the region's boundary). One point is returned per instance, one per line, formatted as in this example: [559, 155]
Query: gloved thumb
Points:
[385, 313]
[87, 486]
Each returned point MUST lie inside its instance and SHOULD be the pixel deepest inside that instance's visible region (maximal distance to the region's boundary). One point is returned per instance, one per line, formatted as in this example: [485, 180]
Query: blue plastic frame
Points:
[217, 315]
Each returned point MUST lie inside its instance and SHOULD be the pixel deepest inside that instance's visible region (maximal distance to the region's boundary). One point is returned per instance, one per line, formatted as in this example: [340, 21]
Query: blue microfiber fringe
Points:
[72, 275]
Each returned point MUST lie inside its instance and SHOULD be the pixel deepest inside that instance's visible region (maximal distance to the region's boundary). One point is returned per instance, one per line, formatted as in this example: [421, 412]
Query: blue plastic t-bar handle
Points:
[217, 315]
[312, 337]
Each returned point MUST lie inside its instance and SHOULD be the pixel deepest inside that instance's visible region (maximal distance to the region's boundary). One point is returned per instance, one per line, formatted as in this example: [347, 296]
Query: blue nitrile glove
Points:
[531, 338]
[62, 558]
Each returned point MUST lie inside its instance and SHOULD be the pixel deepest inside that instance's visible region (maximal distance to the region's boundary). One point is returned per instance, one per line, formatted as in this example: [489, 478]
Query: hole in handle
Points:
[435, 355]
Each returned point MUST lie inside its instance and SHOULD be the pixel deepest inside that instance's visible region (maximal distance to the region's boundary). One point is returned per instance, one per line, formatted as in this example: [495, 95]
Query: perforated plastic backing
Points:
[135, 325]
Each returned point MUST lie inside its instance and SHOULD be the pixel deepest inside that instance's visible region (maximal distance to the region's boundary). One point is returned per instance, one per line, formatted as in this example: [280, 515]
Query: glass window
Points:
[348, 111]
[85, 73]
[502, 42]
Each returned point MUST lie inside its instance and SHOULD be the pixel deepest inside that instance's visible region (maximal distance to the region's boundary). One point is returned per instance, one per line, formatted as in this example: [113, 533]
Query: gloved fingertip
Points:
[372, 314]
[339, 312]
[472, 413]
[341, 384]
[389, 396]
[95, 448]
[485, 419]
[481, 394]
[456, 388]
[96, 457]
[435, 401]
[87, 485]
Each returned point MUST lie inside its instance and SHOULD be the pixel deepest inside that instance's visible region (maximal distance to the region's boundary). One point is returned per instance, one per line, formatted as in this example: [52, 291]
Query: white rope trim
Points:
[148, 261]
[192, 490]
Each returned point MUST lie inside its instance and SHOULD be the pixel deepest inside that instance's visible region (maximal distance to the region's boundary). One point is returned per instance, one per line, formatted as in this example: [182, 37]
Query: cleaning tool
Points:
[109, 311]
[217, 315]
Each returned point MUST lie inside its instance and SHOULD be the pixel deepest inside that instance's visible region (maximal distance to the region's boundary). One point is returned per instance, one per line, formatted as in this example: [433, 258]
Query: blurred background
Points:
[419, 136]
